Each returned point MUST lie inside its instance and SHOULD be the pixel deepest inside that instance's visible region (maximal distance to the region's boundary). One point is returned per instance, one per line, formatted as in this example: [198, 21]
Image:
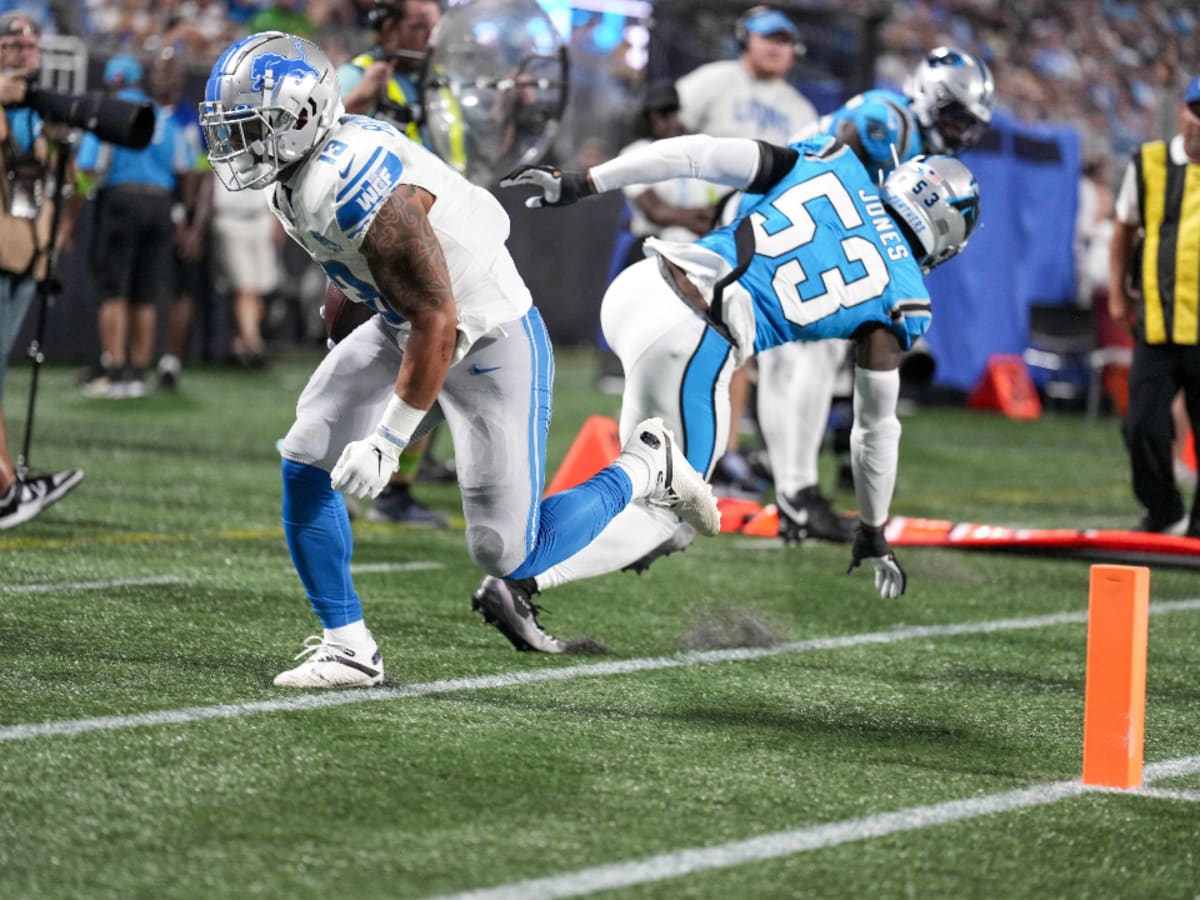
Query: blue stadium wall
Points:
[1021, 254]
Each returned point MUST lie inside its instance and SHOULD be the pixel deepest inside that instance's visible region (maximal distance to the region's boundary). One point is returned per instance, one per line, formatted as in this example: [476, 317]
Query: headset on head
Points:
[385, 10]
[743, 36]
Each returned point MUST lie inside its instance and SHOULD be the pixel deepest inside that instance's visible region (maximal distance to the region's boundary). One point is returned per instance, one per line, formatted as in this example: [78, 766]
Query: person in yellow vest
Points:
[384, 83]
[1159, 202]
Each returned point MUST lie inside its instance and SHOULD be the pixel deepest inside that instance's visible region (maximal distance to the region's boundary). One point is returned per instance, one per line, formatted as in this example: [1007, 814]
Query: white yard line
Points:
[1168, 794]
[294, 702]
[50, 587]
[419, 565]
[801, 840]
[54, 586]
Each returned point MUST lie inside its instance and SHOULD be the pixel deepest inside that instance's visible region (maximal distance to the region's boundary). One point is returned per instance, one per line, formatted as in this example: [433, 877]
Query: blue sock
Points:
[318, 536]
[570, 520]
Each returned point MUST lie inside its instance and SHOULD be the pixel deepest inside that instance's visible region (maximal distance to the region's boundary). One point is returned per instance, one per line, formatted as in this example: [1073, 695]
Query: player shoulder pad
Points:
[360, 166]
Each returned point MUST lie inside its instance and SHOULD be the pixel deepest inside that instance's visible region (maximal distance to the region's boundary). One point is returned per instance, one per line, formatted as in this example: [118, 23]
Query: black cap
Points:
[661, 96]
[383, 12]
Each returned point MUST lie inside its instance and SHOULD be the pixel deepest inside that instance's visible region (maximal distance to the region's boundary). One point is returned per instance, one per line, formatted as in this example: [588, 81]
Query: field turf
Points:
[760, 726]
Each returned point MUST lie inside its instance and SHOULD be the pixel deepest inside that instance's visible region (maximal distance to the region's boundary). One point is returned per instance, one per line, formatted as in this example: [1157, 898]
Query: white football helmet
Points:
[935, 201]
[952, 93]
[269, 101]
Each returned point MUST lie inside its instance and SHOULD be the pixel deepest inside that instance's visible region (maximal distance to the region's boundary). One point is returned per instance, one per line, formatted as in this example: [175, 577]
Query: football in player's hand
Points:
[341, 314]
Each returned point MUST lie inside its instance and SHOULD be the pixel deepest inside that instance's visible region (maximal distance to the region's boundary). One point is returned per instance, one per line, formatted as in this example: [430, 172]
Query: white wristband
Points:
[399, 422]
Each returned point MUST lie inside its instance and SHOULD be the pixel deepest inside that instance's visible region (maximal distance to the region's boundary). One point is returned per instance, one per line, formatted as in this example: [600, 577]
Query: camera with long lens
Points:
[115, 121]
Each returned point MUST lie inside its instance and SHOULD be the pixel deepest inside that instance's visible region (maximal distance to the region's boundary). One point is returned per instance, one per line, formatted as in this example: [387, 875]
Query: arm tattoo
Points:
[404, 255]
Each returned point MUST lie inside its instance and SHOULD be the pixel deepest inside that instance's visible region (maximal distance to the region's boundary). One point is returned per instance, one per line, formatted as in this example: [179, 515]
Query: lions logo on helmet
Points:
[270, 100]
[935, 200]
[952, 94]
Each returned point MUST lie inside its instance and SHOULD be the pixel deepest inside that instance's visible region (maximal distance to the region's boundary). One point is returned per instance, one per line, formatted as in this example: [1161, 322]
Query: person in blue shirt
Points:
[946, 107]
[26, 210]
[132, 244]
[823, 252]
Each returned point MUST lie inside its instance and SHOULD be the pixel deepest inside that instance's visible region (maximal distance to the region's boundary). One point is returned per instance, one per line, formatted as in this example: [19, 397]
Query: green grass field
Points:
[146, 754]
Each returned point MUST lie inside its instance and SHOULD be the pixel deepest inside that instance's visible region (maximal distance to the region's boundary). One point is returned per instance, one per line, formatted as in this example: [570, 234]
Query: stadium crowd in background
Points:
[1104, 65]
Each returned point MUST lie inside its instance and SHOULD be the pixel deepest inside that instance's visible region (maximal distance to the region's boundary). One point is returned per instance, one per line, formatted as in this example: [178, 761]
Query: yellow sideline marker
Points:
[1114, 713]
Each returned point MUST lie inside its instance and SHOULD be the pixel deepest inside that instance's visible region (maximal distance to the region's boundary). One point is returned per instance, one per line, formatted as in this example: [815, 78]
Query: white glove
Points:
[558, 188]
[890, 579]
[365, 467]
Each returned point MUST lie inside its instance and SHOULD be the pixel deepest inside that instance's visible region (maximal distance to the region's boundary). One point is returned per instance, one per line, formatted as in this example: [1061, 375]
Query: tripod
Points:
[47, 287]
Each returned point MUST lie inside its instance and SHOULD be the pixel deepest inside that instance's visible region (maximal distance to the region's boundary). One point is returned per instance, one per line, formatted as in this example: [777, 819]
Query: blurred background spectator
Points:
[1107, 70]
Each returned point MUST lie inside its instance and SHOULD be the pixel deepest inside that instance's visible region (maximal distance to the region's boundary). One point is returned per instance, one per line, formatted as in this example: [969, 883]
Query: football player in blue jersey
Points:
[946, 107]
[823, 252]
[400, 231]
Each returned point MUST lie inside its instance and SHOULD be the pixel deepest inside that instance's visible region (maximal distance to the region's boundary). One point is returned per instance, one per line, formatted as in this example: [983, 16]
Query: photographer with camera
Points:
[26, 214]
[384, 82]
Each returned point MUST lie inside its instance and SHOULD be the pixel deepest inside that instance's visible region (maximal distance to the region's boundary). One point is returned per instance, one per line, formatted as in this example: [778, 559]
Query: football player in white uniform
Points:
[397, 229]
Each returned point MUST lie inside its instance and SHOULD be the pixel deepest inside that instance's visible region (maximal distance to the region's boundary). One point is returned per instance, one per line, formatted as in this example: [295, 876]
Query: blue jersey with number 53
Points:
[820, 257]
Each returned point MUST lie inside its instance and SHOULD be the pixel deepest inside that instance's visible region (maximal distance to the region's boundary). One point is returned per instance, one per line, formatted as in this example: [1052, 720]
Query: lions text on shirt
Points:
[723, 99]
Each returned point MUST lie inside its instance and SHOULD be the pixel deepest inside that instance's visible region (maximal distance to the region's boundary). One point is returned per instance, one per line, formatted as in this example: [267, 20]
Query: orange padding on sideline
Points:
[1115, 706]
[1005, 386]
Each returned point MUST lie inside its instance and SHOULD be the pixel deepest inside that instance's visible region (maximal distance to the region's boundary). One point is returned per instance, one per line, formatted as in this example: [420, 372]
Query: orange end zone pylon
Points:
[1115, 702]
[597, 444]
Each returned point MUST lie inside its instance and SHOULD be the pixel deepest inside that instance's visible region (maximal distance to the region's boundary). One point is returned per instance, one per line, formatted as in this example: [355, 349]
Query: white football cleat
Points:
[332, 665]
[673, 482]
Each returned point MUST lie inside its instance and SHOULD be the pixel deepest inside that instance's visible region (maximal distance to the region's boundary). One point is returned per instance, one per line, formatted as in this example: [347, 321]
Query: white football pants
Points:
[496, 402]
[795, 391]
[676, 367]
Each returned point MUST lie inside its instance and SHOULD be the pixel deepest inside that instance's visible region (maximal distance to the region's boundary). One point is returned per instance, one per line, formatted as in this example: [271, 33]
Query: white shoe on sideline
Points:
[673, 482]
[332, 665]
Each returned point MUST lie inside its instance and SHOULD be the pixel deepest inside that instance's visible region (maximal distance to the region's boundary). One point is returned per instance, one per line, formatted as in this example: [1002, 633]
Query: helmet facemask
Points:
[952, 93]
[935, 202]
[270, 100]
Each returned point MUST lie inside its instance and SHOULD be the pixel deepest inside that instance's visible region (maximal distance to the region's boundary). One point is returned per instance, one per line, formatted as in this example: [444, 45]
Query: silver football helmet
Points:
[271, 98]
[952, 94]
[935, 201]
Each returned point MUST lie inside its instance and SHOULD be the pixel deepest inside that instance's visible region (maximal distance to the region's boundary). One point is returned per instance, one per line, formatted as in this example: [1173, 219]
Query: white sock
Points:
[639, 472]
[355, 636]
